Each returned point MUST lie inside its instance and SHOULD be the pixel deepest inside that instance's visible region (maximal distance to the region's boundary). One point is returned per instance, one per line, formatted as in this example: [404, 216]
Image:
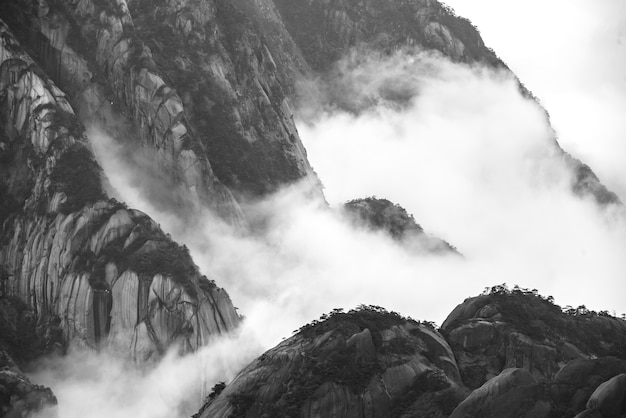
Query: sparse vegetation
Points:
[67, 120]
[534, 314]
[78, 175]
[374, 318]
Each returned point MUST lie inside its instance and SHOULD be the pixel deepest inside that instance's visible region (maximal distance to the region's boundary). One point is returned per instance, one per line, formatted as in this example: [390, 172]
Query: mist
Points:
[572, 55]
[465, 153]
[476, 164]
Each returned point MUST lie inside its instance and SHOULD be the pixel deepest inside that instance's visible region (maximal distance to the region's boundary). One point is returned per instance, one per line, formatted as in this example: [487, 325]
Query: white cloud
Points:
[469, 157]
[474, 162]
[105, 385]
[572, 55]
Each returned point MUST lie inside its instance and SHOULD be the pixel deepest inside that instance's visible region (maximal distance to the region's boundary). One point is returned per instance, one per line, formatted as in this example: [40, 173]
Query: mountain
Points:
[199, 94]
[505, 353]
[382, 215]
[105, 271]
[192, 84]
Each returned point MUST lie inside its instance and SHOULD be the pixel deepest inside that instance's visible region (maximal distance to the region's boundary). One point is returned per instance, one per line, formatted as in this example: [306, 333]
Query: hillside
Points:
[505, 353]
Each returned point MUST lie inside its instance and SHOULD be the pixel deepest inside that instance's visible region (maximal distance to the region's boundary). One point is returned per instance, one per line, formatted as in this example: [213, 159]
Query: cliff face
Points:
[104, 273]
[507, 353]
[192, 82]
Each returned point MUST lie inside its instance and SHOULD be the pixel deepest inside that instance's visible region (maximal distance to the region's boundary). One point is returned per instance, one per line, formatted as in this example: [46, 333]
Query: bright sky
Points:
[572, 55]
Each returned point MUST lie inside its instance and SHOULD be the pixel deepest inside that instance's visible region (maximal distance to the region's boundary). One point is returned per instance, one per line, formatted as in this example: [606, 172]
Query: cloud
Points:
[474, 162]
[465, 153]
[572, 55]
[105, 385]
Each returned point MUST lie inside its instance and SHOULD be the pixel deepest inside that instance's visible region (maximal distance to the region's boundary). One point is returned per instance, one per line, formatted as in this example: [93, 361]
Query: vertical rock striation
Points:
[106, 273]
[192, 82]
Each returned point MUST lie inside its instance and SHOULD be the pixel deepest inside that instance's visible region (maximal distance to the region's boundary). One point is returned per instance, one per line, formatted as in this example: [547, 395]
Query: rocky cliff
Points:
[105, 274]
[200, 89]
[193, 83]
[506, 353]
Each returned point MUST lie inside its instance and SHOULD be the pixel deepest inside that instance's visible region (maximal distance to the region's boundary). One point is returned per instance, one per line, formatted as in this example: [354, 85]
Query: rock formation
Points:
[192, 83]
[22, 340]
[506, 353]
[381, 214]
[105, 272]
[199, 91]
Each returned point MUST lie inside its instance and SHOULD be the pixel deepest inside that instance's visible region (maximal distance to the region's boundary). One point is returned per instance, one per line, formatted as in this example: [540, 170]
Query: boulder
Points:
[513, 393]
[610, 397]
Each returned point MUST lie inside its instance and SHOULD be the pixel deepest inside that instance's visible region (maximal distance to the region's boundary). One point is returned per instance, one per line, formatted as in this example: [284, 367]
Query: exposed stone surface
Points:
[516, 329]
[19, 397]
[193, 81]
[106, 273]
[381, 214]
[490, 360]
[513, 392]
[610, 397]
[576, 381]
[363, 363]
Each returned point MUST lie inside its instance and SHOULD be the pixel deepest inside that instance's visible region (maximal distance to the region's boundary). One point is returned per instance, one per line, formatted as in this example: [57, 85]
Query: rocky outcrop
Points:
[574, 384]
[105, 273]
[366, 362]
[19, 397]
[393, 219]
[506, 353]
[22, 340]
[87, 49]
[519, 329]
[609, 399]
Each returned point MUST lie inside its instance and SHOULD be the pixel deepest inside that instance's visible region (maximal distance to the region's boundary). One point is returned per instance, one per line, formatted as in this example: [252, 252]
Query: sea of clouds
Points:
[458, 146]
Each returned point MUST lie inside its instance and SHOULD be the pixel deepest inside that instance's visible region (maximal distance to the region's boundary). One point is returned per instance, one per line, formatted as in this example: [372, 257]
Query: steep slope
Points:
[347, 30]
[506, 353]
[20, 341]
[325, 31]
[105, 273]
[199, 88]
[192, 82]
[366, 362]
[383, 215]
